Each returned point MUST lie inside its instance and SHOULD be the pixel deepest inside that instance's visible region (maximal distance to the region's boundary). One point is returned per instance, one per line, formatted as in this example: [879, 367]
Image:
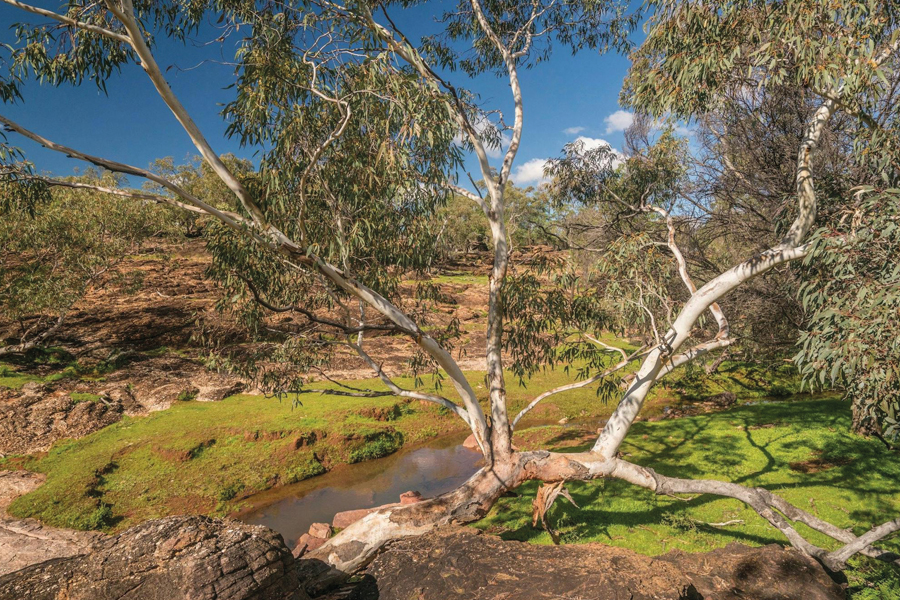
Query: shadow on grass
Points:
[751, 445]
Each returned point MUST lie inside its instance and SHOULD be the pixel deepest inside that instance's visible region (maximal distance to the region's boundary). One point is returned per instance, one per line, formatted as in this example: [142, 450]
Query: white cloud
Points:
[530, 172]
[592, 143]
[573, 130]
[619, 121]
[589, 144]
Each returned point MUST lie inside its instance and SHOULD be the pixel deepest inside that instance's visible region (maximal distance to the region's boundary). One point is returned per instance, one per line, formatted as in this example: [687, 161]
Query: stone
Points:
[307, 543]
[563, 421]
[175, 558]
[459, 563]
[346, 518]
[33, 388]
[320, 530]
[470, 443]
[24, 542]
[410, 497]
[215, 392]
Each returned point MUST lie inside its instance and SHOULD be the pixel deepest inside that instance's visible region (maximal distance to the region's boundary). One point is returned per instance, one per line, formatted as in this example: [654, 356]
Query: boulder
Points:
[307, 543]
[189, 558]
[459, 563]
[320, 530]
[470, 443]
[216, 393]
[348, 517]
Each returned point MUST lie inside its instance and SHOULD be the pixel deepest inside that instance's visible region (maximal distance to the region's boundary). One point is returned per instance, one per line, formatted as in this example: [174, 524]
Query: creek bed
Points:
[432, 468]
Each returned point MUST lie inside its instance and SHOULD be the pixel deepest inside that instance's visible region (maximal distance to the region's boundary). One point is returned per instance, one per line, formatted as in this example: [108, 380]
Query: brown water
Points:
[436, 467]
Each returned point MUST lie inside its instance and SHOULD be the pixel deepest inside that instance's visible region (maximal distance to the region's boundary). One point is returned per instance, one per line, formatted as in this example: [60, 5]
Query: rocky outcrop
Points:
[37, 418]
[461, 564]
[156, 383]
[189, 558]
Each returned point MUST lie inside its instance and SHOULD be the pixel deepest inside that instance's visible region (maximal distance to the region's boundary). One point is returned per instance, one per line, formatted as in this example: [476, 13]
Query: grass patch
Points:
[61, 365]
[84, 397]
[14, 380]
[459, 278]
[758, 445]
[205, 457]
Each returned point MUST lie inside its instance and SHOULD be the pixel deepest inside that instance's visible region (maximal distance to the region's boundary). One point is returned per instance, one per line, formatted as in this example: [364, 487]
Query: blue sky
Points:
[565, 98]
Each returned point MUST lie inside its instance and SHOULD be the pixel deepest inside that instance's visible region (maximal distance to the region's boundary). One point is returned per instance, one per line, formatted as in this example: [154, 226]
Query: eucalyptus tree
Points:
[358, 126]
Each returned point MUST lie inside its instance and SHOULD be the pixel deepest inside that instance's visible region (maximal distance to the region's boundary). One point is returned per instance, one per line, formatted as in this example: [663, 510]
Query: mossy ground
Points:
[800, 449]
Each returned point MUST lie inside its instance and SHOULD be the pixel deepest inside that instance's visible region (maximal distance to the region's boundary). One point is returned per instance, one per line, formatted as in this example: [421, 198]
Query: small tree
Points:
[359, 127]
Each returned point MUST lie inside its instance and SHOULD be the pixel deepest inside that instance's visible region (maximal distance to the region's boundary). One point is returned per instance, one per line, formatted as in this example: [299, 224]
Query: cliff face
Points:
[190, 558]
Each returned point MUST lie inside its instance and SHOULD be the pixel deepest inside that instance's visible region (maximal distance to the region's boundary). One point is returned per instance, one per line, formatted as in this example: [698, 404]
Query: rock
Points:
[563, 421]
[348, 517]
[190, 558]
[32, 422]
[737, 572]
[216, 393]
[307, 543]
[724, 400]
[33, 388]
[470, 443]
[461, 564]
[123, 396]
[320, 530]
[410, 497]
[25, 542]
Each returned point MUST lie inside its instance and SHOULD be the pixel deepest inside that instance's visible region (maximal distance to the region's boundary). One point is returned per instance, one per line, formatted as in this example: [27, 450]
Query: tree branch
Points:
[70, 21]
[398, 391]
[148, 63]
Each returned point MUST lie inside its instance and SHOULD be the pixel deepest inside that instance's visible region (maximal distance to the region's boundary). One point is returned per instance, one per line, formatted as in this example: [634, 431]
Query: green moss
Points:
[187, 395]
[376, 445]
[230, 491]
[310, 468]
[12, 379]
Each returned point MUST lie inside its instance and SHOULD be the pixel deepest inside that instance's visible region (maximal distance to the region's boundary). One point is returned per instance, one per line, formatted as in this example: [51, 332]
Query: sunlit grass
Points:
[801, 450]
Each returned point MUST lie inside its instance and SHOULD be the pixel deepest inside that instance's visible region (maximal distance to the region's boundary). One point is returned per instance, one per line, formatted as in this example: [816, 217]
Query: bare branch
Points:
[396, 390]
